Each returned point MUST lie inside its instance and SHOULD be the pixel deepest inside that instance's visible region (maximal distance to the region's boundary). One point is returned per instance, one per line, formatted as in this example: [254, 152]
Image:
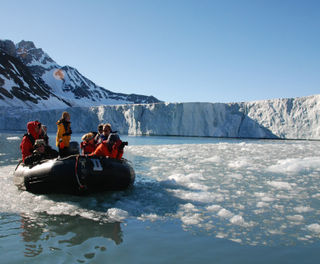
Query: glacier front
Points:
[295, 118]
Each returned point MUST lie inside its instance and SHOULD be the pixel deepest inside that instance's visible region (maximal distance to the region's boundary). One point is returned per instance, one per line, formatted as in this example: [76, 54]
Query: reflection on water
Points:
[64, 232]
[34, 229]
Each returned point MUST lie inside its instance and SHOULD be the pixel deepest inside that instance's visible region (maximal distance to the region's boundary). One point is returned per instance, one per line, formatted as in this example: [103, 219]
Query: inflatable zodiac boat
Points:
[75, 174]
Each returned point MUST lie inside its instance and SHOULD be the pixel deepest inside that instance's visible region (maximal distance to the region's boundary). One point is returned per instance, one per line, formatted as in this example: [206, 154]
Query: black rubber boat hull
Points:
[75, 175]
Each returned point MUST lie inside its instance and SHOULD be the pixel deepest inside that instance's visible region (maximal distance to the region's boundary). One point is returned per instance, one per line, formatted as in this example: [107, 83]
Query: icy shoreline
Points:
[295, 118]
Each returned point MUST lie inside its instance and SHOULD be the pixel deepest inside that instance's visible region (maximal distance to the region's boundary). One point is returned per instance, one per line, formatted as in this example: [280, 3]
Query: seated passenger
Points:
[99, 134]
[40, 153]
[105, 134]
[44, 135]
[88, 145]
[112, 147]
[28, 140]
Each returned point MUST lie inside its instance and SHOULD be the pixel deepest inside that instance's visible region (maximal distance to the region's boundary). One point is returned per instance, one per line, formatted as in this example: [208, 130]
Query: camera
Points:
[124, 143]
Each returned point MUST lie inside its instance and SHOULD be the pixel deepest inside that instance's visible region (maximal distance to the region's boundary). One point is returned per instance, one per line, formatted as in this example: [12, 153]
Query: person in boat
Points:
[105, 133]
[40, 153]
[98, 135]
[44, 135]
[63, 134]
[28, 140]
[112, 147]
[88, 143]
[48, 149]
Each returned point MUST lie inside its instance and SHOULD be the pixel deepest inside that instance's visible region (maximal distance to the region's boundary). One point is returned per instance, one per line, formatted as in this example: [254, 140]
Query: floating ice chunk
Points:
[283, 196]
[238, 220]
[262, 204]
[185, 178]
[224, 213]
[236, 240]
[116, 214]
[280, 185]
[197, 186]
[176, 177]
[89, 215]
[275, 232]
[296, 165]
[317, 195]
[188, 215]
[297, 218]
[201, 196]
[214, 159]
[279, 207]
[155, 168]
[57, 208]
[267, 199]
[169, 183]
[221, 235]
[188, 207]
[302, 209]
[259, 194]
[239, 163]
[213, 208]
[150, 217]
[237, 176]
[193, 219]
[315, 228]
[13, 138]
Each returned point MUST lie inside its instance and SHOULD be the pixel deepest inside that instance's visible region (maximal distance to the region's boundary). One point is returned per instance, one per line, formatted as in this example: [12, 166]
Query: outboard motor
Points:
[74, 148]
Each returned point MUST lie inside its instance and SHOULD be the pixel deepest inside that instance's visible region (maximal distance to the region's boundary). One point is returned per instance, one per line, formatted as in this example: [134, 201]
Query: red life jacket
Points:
[104, 150]
[108, 150]
[28, 139]
[87, 148]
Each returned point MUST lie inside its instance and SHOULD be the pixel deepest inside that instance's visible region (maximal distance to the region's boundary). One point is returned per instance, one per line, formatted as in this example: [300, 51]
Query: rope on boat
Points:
[82, 187]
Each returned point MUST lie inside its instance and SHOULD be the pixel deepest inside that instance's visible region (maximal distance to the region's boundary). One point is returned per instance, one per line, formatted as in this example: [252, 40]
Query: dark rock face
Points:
[23, 84]
[8, 47]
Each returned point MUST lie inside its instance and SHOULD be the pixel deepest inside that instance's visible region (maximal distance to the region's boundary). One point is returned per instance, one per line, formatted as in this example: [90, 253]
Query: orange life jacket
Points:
[105, 149]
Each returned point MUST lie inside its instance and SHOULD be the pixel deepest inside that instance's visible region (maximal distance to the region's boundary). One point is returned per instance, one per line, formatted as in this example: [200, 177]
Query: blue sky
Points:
[179, 50]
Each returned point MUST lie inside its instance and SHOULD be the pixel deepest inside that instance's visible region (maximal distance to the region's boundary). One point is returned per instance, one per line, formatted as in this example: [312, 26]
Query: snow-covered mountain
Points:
[30, 79]
[296, 118]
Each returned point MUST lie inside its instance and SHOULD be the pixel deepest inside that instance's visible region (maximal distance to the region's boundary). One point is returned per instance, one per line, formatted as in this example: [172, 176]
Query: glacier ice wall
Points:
[295, 118]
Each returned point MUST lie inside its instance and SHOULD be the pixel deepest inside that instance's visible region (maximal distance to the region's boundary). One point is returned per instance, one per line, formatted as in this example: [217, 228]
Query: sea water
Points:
[195, 200]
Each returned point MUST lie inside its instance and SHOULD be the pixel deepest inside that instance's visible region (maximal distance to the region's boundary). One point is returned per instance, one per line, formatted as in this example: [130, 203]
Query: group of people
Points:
[35, 144]
[104, 143]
